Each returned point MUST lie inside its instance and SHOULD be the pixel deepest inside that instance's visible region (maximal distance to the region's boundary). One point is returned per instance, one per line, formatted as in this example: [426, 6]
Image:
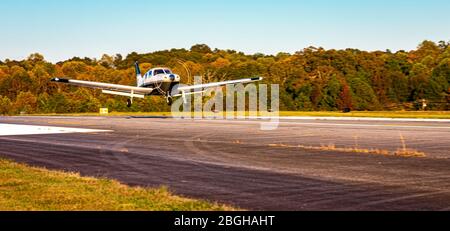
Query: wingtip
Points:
[59, 80]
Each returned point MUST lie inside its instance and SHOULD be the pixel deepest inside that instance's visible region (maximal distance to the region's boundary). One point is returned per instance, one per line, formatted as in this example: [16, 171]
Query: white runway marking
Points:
[19, 129]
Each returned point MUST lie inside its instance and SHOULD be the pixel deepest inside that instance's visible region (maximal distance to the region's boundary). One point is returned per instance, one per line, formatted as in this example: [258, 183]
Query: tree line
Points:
[310, 79]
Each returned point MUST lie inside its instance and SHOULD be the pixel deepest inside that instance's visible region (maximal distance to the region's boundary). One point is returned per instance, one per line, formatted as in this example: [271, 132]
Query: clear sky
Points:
[61, 29]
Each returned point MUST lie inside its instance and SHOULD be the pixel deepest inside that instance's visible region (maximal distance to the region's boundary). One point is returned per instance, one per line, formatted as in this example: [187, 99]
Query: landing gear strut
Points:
[169, 100]
[129, 102]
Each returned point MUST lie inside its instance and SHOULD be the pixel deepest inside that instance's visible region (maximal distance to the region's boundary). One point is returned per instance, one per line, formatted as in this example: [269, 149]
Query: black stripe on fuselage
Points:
[165, 87]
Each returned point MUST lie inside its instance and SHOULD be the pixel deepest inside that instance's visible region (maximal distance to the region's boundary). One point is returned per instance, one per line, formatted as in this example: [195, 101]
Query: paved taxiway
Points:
[236, 163]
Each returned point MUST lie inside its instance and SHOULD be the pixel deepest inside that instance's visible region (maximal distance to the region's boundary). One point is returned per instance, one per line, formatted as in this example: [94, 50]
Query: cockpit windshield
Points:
[158, 71]
[168, 71]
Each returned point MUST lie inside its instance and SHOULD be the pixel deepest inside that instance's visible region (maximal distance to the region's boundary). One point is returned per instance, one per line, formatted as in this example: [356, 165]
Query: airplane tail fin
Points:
[138, 73]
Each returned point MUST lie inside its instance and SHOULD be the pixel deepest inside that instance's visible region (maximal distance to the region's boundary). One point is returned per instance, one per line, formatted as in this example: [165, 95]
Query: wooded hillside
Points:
[311, 79]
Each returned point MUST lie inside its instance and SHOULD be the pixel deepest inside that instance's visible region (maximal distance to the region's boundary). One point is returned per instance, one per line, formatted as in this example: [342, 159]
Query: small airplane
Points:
[157, 81]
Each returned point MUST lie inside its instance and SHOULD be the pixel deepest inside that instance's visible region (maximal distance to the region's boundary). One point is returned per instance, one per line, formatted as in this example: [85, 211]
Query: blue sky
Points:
[61, 29]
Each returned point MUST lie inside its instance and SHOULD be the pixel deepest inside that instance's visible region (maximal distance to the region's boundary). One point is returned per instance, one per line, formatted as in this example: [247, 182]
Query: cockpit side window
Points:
[149, 73]
[168, 71]
[159, 71]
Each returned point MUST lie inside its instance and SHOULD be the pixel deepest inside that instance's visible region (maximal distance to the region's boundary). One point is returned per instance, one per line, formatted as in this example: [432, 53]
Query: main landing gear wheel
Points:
[129, 103]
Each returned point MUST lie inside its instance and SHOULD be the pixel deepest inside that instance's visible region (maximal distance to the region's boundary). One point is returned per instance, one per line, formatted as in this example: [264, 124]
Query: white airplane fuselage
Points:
[160, 79]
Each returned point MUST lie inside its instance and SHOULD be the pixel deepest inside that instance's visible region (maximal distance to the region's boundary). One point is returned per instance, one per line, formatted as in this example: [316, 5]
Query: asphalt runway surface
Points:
[237, 163]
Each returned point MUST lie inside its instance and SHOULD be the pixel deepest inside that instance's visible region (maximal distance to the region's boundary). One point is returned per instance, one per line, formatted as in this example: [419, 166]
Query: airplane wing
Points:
[107, 88]
[201, 87]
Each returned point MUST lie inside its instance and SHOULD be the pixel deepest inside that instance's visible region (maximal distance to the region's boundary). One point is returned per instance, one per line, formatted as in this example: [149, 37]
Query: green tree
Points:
[201, 48]
[419, 81]
[5, 105]
[55, 103]
[439, 83]
[363, 95]
[331, 95]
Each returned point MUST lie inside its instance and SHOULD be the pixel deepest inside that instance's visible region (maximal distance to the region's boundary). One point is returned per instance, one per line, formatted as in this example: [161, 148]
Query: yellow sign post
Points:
[104, 111]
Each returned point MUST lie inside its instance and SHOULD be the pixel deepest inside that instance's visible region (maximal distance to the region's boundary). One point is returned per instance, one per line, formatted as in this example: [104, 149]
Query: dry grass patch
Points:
[332, 147]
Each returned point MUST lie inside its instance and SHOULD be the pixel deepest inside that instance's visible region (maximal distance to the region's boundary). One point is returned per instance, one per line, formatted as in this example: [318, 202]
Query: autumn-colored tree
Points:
[25, 102]
[345, 98]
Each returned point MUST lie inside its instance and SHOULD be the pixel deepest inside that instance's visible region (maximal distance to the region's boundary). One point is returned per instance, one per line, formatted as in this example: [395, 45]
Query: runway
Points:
[237, 163]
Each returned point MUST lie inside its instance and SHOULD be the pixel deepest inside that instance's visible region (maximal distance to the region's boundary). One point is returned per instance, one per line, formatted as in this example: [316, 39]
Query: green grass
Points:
[110, 114]
[24, 188]
[379, 114]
